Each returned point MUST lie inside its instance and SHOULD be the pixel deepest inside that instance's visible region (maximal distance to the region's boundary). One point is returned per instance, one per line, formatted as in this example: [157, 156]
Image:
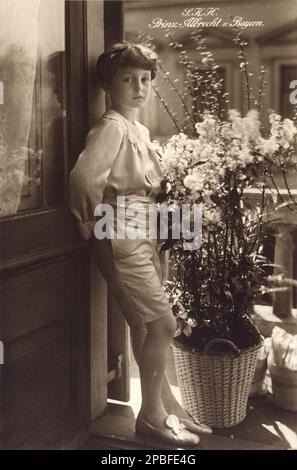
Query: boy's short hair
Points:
[125, 55]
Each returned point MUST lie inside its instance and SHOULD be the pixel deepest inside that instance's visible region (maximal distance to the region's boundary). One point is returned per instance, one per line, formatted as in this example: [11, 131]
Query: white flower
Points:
[245, 156]
[234, 114]
[289, 130]
[269, 146]
[211, 215]
[193, 182]
[198, 167]
[206, 60]
[168, 187]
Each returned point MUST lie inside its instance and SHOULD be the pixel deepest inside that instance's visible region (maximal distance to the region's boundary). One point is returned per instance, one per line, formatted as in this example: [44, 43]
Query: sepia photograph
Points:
[148, 229]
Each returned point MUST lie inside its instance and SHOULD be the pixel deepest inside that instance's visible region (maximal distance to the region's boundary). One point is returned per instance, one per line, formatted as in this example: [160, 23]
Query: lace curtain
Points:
[18, 55]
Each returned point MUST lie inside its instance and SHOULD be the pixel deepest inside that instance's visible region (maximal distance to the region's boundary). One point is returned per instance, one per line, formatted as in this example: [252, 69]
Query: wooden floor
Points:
[259, 431]
[266, 427]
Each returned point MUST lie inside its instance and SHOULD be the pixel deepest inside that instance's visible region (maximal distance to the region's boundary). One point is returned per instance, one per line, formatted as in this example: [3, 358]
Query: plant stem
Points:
[288, 188]
[279, 194]
[261, 87]
[245, 70]
[167, 109]
[168, 79]
[260, 221]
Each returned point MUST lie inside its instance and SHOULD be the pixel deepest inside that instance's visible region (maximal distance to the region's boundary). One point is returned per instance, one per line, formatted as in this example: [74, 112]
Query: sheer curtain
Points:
[18, 55]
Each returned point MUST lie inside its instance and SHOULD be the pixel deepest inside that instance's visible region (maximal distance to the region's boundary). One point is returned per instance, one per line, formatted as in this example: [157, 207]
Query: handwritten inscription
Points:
[204, 18]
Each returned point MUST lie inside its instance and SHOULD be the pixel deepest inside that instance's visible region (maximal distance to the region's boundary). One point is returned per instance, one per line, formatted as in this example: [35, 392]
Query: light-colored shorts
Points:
[138, 289]
[138, 265]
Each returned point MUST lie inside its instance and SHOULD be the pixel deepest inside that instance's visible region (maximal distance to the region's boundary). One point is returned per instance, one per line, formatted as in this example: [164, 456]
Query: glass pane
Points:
[33, 136]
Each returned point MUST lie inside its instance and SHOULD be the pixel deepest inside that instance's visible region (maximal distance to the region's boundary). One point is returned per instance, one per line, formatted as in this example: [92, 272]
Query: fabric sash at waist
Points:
[142, 210]
[129, 198]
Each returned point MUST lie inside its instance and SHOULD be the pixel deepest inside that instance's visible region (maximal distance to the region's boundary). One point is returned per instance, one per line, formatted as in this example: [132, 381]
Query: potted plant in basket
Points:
[216, 157]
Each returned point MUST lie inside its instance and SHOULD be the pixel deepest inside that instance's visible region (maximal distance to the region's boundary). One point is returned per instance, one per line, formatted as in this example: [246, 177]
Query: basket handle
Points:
[221, 340]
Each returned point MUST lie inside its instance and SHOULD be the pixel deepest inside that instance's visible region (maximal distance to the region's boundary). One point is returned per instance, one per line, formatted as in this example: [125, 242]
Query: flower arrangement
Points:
[215, 158]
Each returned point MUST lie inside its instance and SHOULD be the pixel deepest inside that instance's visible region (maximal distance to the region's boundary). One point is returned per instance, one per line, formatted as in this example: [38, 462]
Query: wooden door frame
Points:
[88, 102]
[103, 24]
[33, 238]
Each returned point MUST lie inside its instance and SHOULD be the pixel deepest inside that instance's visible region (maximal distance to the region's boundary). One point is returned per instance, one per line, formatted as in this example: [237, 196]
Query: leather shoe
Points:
[173, 431]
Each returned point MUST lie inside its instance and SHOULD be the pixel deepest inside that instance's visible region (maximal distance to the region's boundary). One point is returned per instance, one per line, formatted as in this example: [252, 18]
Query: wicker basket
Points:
[258, 386]
[215, 388]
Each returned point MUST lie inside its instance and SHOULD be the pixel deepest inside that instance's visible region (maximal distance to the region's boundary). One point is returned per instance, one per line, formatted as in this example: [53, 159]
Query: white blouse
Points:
[118, 159]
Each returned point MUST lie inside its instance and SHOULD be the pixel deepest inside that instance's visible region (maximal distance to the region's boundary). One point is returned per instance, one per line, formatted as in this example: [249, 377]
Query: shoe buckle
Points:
[173, 423]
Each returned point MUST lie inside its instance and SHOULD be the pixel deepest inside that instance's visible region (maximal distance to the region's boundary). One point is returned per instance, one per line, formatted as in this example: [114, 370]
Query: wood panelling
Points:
[37, 297]
[45, 290]
[46, 336]
[113, 22]
[53, 305]
[37, 386]
[98, 343]
[39, 230]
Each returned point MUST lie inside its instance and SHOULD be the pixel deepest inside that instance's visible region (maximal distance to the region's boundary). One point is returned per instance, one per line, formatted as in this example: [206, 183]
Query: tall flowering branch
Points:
[225, 159]
[243, 66]
[166, 76]
[279, 153]
[216, 161]
[189, 70]
[167, 109]
[262, 84]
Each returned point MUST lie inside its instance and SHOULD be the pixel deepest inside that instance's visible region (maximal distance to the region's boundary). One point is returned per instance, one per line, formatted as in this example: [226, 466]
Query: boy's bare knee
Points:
[165, 325]
[138, 331]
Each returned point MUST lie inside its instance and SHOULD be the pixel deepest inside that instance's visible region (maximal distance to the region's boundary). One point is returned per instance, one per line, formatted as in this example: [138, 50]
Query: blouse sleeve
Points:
[89, 176]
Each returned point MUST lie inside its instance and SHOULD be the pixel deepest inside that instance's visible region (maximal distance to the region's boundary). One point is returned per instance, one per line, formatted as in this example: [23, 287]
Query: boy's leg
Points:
[153, 418]
[172, 406]
[138, 334]
[152, 362]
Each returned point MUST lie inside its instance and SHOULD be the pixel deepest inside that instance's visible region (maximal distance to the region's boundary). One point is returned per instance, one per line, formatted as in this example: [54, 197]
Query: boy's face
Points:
[130, 87]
